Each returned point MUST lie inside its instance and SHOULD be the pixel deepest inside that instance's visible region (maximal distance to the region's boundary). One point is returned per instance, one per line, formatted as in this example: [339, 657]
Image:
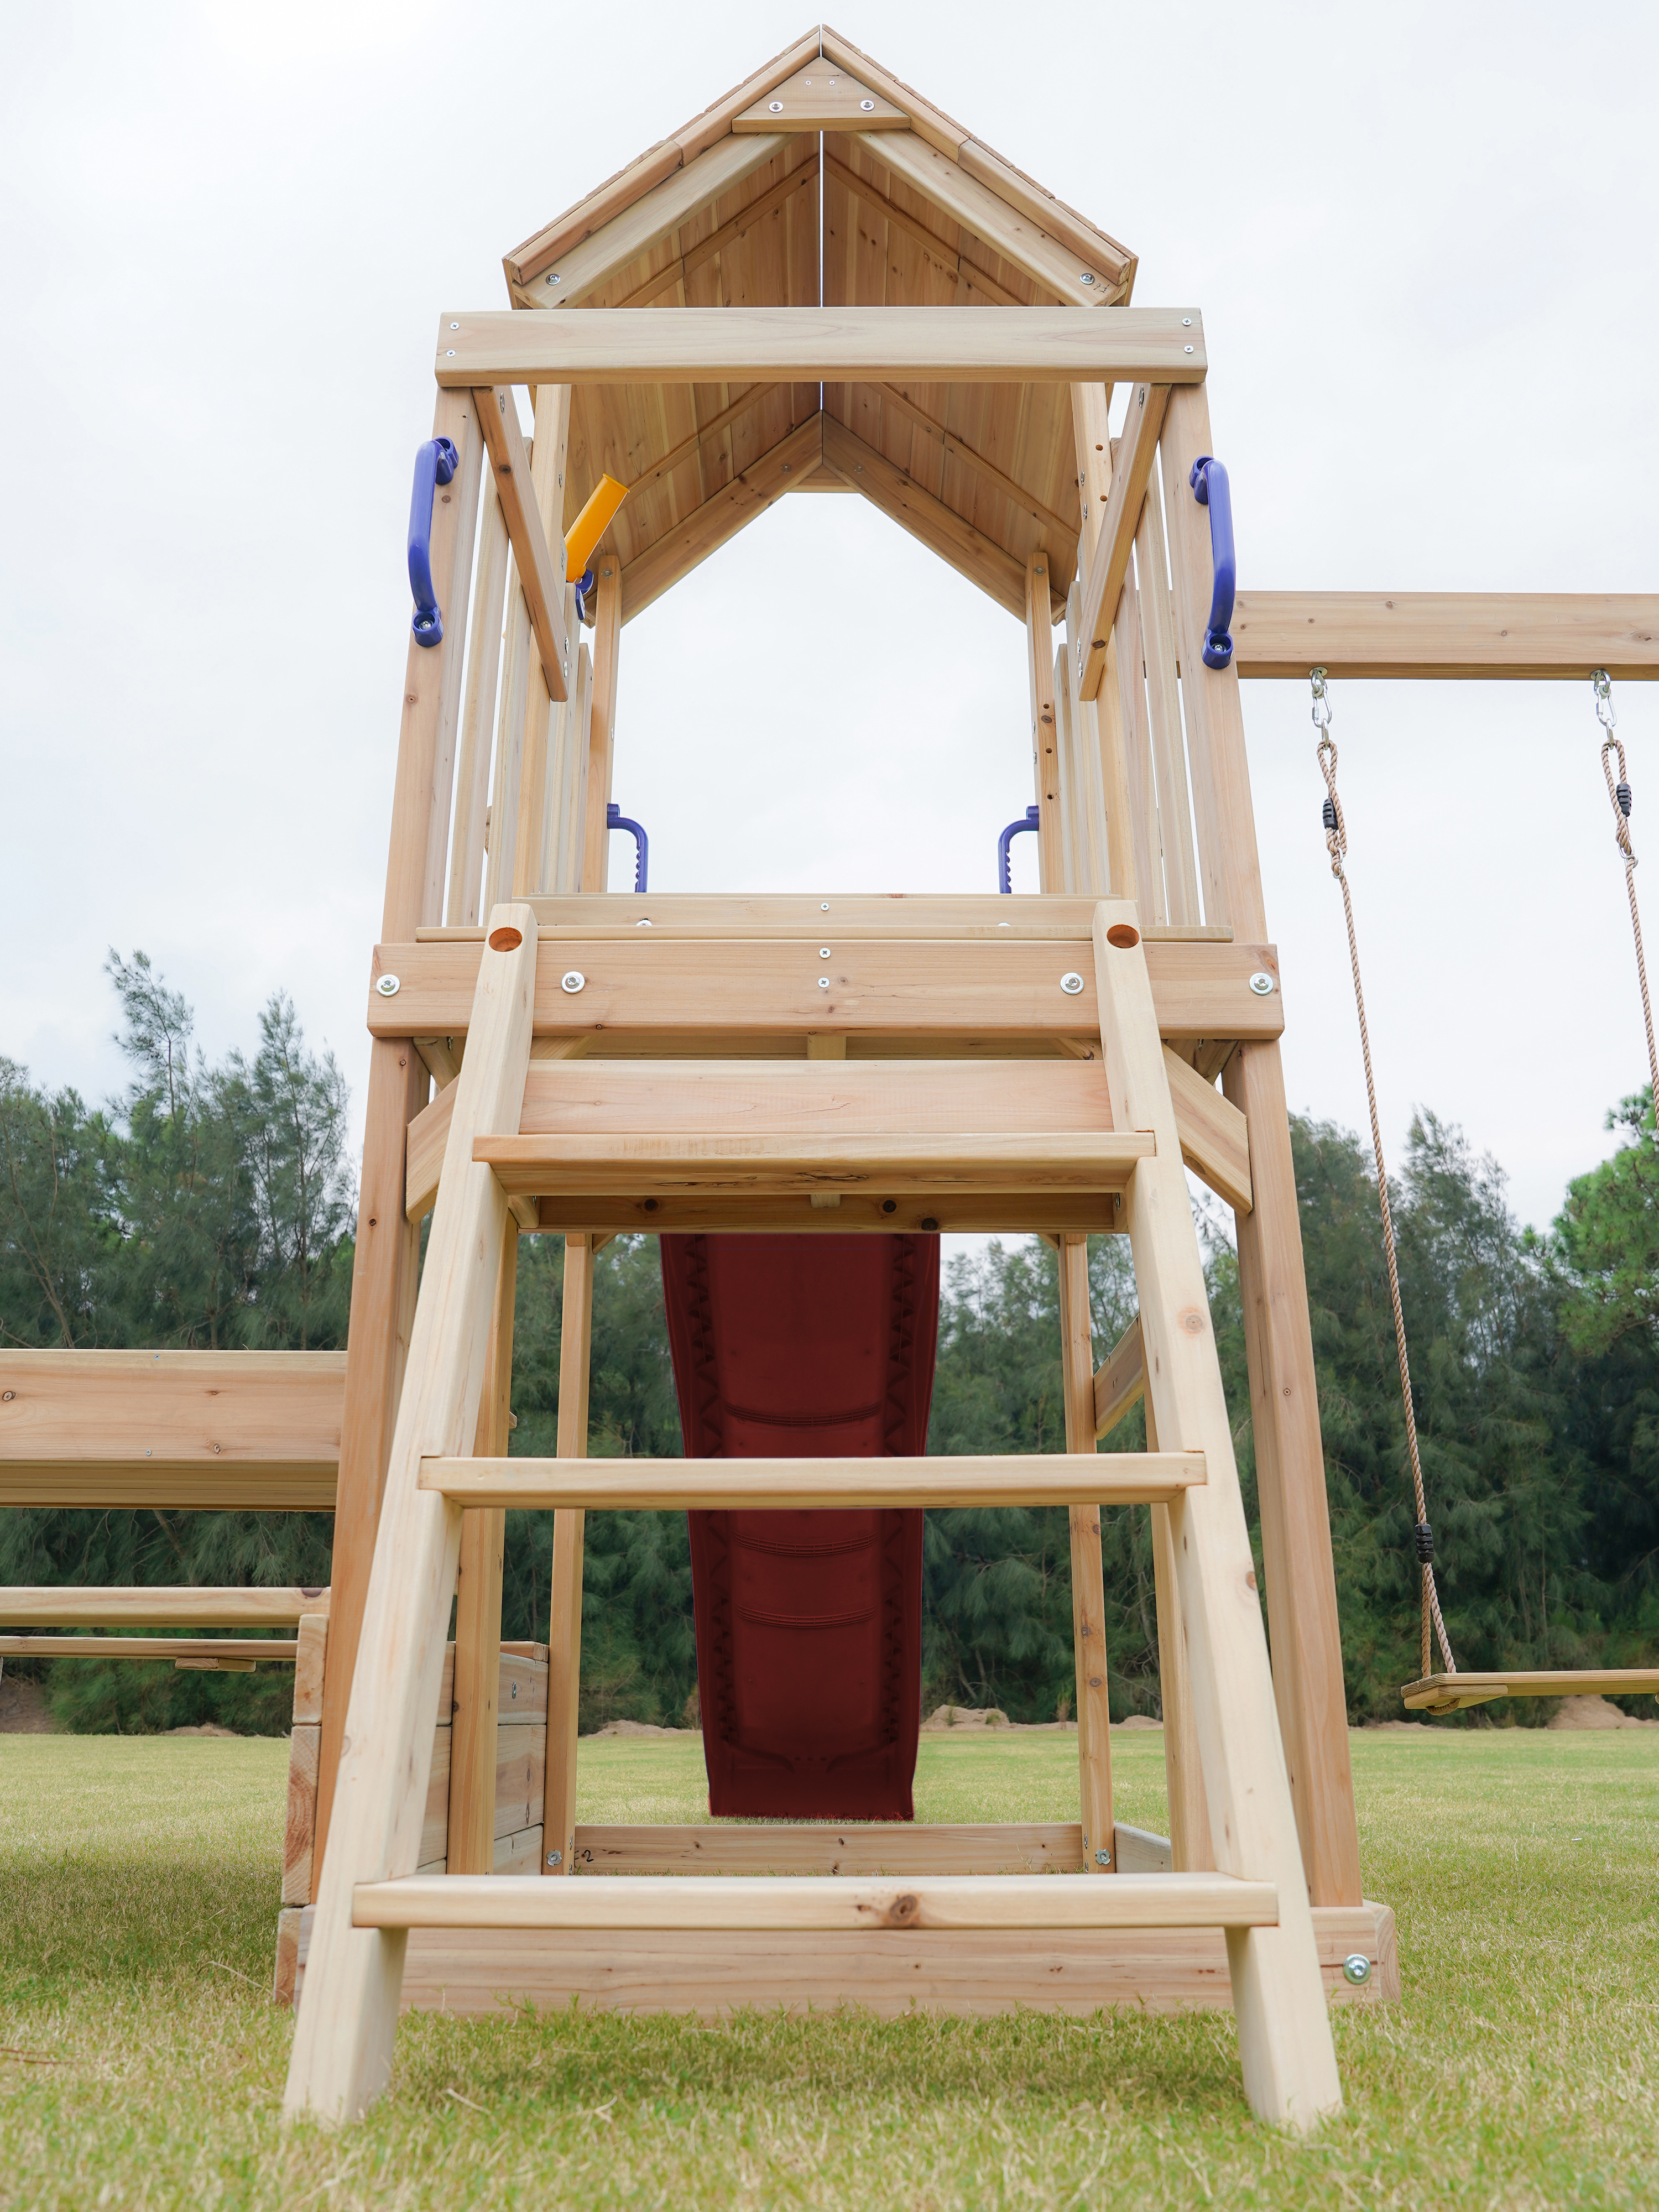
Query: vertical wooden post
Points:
[547, 472]
[475, 1714]
[571, 842]
[1183, 1771]
[483, 661]
[1143, 828]
[602, 722]
[1301, 1575]
[385, 1258]
[564, 1631]
[341, 2054]
[1094, 1707]
[1163, 692]
[1045, 755]
[1097, 724]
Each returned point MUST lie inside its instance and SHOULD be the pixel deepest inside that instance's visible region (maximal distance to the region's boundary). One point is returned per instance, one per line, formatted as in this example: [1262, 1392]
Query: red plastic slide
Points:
[809, 1625]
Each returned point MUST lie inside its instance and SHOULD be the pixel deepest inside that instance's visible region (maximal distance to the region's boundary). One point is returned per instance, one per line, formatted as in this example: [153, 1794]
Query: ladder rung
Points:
[780, 1485]
[540, 1165]
[194, 1647]
[817, 1901]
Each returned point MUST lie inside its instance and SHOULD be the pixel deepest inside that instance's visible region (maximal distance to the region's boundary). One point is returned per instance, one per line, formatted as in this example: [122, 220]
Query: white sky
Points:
[1422, 240]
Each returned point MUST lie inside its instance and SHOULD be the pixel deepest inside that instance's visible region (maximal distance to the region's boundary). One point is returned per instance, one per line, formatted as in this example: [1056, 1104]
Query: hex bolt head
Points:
[1262, 984]
[1356, 1969]
[572, 981]
[1071, 982]
[388, 986]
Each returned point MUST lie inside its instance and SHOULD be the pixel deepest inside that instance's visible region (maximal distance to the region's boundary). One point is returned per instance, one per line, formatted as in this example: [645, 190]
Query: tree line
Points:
[211, 1207]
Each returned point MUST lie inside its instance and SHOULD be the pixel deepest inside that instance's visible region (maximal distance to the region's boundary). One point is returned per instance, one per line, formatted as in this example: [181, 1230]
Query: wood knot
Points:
[904, 1913]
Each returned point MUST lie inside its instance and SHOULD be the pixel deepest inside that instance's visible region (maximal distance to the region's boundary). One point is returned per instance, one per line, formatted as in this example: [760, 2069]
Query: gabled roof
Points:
[822, 178]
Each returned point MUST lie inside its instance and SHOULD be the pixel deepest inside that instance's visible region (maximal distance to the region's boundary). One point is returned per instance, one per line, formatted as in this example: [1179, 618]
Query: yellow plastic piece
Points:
[591, 525]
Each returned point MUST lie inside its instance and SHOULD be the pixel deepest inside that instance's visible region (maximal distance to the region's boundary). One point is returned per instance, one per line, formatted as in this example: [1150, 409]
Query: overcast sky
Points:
[1422, 239]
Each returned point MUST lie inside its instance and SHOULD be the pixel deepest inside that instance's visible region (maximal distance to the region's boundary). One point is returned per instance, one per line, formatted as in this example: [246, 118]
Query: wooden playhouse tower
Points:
[823, 284]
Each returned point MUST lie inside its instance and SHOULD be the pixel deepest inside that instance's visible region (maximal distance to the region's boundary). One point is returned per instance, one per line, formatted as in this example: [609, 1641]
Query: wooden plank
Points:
[844, 345]
[539, 579]
[929, 122]
[1445, 1693]
[535, 1166]
[483, 659]
[476, 1672]
[1190, 1847]
[643, 1484]
[1127, 659]
[1215, 1137]
[720, 517]
[652, 219]
[1109, 564]
[482, 1971]
[891, 1848]
[1045, 745]
[906, 987]
[514, 1800]
[790, 1902]
[282, 1650]
[1094, 1705]
[755, 396]
[342, 2042]
[821, 97]
[1092, 1214]
[1120, 1381]
[310, 1661]
[1437, 636]
[564, 1633]
[940, 528]
[602, 722]
[956, 449]
[1112, 262]
[172, 1606]
[886, 915]
[236, 1416]
[1168, 745]
[974, 286]
[1285, 2042]
[503, 868]
[300, 1819]
[989, 218]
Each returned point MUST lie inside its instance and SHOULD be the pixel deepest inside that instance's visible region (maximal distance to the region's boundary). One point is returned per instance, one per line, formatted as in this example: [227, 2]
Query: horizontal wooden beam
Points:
[787, 1901]
[197, 1649]
[255, 1431]
[1120, 1378]
[1446, 1693]
[893, 1847]
[539, 579]
[807, 914]
[833, 345]
[1440, 636]
[1109, 564]
[1056, 1213]
[904, 987]
[1215, 1137]
[170, 1606]
[631, 1486]
[545, 1165]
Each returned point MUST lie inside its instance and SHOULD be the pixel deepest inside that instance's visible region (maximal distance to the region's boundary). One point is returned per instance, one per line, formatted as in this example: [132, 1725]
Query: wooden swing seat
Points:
[1449, 1693]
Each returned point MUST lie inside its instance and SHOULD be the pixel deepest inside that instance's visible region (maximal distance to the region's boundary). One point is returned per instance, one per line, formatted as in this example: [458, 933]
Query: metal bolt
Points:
[449, 353]
[1005, 924]
[454, 326]
[823, 906]
[1071, 982]
[1356, 1969]
[1186, 322]
[554, 280]
[823, 952]
[1103, 1858]
[1088, 276]
[823, 983]
[868, 106]
[643, 924]
[388, 986]
[774, 106]
[1186, 349]
[1262, 984]
[556, 1858]
[572, 981]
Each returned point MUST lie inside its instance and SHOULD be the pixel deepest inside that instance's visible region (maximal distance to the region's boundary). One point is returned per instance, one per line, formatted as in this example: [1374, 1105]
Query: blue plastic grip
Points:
[1211, 489]
[1005, 881]
[615, 819]
[435, 463]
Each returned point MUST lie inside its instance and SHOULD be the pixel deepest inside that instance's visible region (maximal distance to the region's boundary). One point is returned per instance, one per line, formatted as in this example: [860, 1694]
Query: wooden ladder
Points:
[369, 1898]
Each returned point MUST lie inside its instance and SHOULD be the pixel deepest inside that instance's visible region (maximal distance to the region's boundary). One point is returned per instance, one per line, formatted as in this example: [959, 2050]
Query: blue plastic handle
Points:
[436, 463]
[1007, 882]
[615, 819]
[1211, 489]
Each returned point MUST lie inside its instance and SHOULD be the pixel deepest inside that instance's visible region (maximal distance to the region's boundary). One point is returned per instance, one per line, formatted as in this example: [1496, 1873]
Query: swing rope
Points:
[1618, 796]
[1336, 842]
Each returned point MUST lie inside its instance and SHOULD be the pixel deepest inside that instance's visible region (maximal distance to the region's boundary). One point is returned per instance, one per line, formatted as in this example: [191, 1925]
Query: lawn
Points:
[142, 2066]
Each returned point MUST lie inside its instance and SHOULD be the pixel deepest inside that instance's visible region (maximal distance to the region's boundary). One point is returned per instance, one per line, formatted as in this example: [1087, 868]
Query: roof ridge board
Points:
[647, 170]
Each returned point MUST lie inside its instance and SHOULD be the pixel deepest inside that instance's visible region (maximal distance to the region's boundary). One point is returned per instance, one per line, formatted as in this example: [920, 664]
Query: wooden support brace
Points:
[1109, 563]
[540, 578]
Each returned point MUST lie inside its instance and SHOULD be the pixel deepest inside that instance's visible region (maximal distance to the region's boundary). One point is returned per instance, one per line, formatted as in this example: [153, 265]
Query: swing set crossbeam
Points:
[1449, 1693]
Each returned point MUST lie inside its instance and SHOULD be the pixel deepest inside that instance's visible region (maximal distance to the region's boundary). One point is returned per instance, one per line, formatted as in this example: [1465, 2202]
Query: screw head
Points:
[1186, 322]
[554, 279]
[645, 924]
[449, 353]
[1186, 349]
[388, 986]
[1103, 1858]
[823, 906]
[1356, 1969]
[1262, 984]
[774, 106]
[572, 981]
[868, 106]
[1071, 982]
[1088, 276]
[454, 326]
[556, 1858]
[823, 952]
[823, 983]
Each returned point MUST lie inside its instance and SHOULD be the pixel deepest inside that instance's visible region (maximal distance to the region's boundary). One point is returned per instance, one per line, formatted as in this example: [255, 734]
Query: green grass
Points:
[142, 2066]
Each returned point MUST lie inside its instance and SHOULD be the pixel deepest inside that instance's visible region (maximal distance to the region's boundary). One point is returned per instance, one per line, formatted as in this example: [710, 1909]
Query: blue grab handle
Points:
[1211, 489]
[435, 463]
[615, 819]
[1006, 881]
